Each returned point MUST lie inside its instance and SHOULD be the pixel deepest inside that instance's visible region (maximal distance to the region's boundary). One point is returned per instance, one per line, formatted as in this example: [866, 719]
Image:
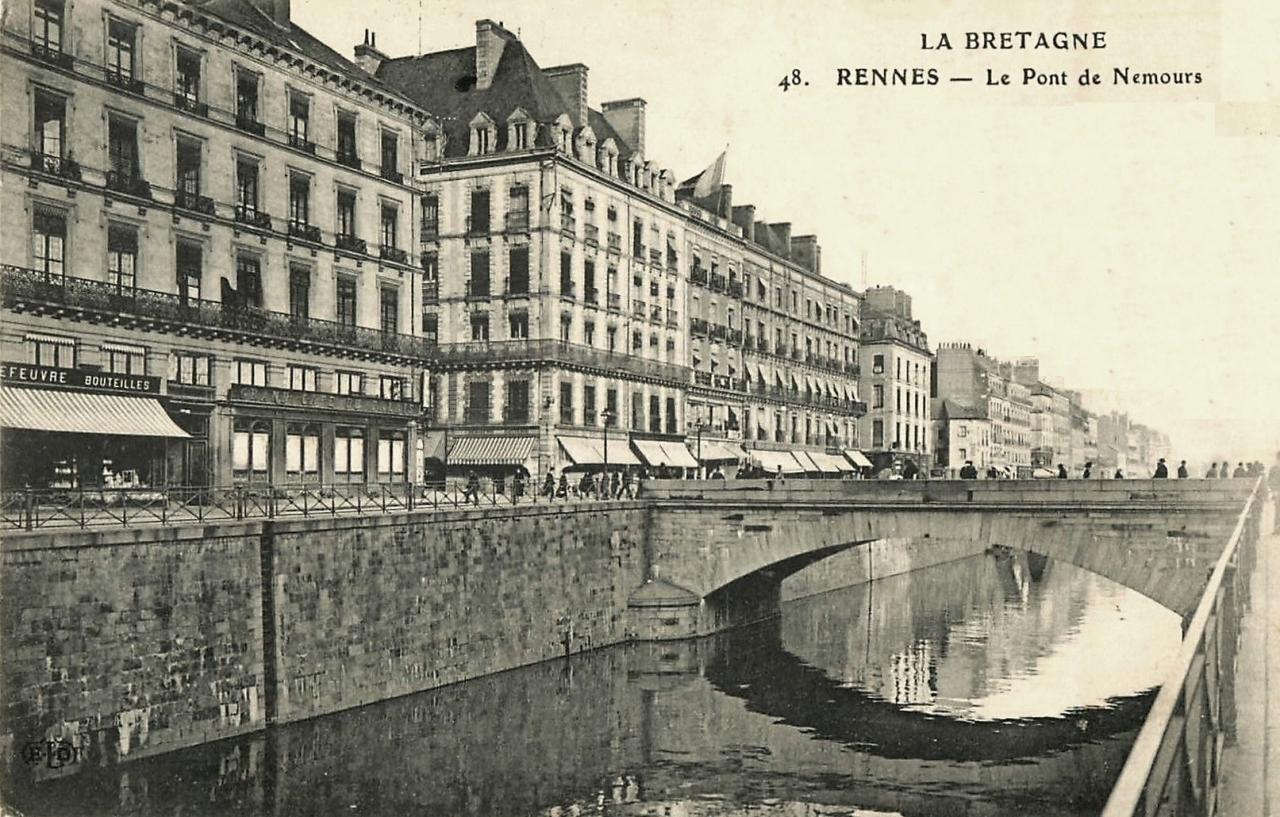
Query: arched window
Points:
[302, 452]
[483, 136]
[251, 451]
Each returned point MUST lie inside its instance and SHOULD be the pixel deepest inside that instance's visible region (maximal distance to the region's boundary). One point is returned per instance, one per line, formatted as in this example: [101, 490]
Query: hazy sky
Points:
[1129, 237]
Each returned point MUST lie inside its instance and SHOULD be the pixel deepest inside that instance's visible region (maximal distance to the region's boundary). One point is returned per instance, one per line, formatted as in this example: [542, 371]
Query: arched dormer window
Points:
[564, 134]
[607, 156]
[651, 177]
[484, 136]
[635, 170]
[668, 185]
[584, 144]
[520, 130]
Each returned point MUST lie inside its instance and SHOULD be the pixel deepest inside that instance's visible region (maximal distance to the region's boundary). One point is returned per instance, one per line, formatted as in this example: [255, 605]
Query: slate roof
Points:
[954, 410]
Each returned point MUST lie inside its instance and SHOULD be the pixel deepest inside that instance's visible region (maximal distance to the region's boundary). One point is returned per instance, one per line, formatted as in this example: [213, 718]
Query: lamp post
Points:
[607, 416]
[698, 453]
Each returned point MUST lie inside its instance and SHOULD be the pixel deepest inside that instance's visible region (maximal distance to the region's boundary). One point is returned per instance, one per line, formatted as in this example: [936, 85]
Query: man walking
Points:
[1183, 473]
[968, 471]
[1213, 472]
[1162, 470]
[473, 488]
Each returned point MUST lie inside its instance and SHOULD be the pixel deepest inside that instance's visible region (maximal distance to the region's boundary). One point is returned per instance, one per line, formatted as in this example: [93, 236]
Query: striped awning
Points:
[586, 451]
[679, 456]
[857, 458]
[490, 450]
[651, 452]
[771, 461]
[829, 462]
[665, 454]
[78, 412]
[810, 466]
[714, 451]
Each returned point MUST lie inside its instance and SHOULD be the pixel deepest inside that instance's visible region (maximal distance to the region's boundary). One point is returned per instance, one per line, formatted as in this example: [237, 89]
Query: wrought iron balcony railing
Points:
[302, 143]
[702, 378]
[51, 53]
[55, 166]
[735, 289]
[391, 175]
[129, 184]
[698, 326]
[558, 351]
[698, 276]
[431, 292]
[478, 225]
[125, 80]
[568, 224]
[250, 124]
[350, 243]
[615, 302]
[717, 282]
[193, 201]
[615, 243]
[734, 337]
[429, 231]
[719, 331]
[190, 104]
[395, 254]
[655, 257]
[592, 295]
[348, 158]
[251, 215]
[304, 231]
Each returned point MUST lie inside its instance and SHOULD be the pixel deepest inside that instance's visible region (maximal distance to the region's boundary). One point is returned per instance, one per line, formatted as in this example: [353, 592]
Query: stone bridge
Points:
[717, 552]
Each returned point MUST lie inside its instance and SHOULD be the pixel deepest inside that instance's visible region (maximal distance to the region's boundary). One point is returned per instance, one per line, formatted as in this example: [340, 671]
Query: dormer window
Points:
[520, 135]
[430, 146]
[519, 131]
[564, 134]
[482, 136]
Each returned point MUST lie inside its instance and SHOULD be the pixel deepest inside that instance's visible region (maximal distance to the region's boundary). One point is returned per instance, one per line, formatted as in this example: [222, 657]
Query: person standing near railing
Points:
[549, 484]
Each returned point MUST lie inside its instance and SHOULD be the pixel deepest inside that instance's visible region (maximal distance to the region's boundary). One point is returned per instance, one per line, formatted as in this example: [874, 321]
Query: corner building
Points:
[207, 216]
[584, 312]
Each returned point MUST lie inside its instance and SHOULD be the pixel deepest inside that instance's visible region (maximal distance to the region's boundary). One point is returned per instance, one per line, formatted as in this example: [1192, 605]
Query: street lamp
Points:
[607, 416]
[698, 426]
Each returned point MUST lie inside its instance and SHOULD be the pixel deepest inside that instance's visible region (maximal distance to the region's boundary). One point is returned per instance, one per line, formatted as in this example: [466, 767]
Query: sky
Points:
[1129, 237]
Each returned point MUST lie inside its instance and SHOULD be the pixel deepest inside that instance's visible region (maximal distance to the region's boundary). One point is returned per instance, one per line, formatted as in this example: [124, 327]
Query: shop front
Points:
[72, 429]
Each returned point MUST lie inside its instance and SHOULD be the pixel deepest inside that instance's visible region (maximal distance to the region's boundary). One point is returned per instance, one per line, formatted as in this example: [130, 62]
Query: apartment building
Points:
[896, 379]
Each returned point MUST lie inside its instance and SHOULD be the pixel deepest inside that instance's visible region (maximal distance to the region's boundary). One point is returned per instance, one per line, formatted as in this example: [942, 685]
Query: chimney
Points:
[277, 10]
[783, 231]
[491, 39]
[806, 252]
[626, 116]
[570, 82]
[368, 57]
[745, 217]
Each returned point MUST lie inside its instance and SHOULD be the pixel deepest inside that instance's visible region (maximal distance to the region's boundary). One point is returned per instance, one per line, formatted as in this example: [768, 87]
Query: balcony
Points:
[735, 289]
[190, 104]
[303, 231]
[431, 292]
[349, 158]
[718, 282]
[567, 291]
[734, 337]
[853, 369]
[698, 326]
[655, 313]
[251, 215]
[52, 54]
[762, 344]
[187, 200]
[592, 295]
[637, 250]
[129, 184]
[698, 276]
[297, 140]
[125, 81]
[568, 224]
[561, 352]
[722, 381]
[478, 225]
[314, 400]
[391, 174]
[702, 378]
[55, 166]
[350, 243]
[591, 234]
[430, 231]
[655, 258]
[518, 221]
[797, 353]
[27, 290]
[673, 318]
[719, 331]
[615, 302]
[615, 243]
[250, 124]
[393, 254]
[639, 309]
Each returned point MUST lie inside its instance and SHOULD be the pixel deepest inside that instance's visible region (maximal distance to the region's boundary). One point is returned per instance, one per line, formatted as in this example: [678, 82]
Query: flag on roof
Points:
[708, 181]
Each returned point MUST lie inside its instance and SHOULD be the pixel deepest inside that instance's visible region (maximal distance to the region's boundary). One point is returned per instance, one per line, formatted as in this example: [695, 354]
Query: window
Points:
[518, 325]
[390, 215]
[430, 327]
[518, 271]
[51, 123]
[391, 455]
[299, 199]
[566, 403]
[348, 454]
[347, 151]
[877, 364]
[299, 292]
[478, 402]
[566, 274]
[877, 433]
[589, 281]
[300, 121]
[188, 173]
[189, 368]
[637, 411]
[246, 98]
[190, 267]
[588, 405]
[248, 280]
[637, 238]
[245, 372]
[479, 326]
[120, 49]
[122, 147]
[49, 16]
[302, 378]
[877, 396]
[389, 158]
[478, 222]
[520, 135]
[655, 413]
[187, 75]
[51, 350]
[349, 383]
[246, 187]
[671, 415]
[251, 450]
[389, 310]
[430, 267]
[346, 214]
[48, 243]
[518, 208]
[478, 284]
[430, 216]
[589, 333]
[391, 387]
[566, 327]
[517, 406]
[346, 302]
[611, 338]
[302, 451]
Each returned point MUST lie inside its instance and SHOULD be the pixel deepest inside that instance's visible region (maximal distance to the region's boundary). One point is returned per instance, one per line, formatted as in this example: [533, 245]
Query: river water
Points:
[993, 685]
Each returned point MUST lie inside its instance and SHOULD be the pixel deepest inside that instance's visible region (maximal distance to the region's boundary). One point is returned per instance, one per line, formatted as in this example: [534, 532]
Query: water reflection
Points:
[988, 686]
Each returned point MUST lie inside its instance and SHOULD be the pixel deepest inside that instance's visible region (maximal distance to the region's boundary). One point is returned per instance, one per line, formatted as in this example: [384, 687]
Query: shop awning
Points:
[810, 466]
[665, 454]
[830, 462]
[490, 450]
[857, 458]
[771, 461]
[679, 455]
[585, 451]
[651, 452]
[78, 412]
[713, 451]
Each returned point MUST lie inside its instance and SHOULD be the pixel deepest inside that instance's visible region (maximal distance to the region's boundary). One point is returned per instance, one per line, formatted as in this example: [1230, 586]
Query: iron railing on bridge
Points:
[32, 509]
[1174, 766]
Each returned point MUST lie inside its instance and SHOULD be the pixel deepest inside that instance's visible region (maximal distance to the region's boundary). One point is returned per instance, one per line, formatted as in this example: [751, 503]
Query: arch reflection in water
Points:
[896, 697]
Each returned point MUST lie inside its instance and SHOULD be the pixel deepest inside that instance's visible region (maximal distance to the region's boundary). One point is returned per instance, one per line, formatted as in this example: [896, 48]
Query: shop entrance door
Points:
[197, 463]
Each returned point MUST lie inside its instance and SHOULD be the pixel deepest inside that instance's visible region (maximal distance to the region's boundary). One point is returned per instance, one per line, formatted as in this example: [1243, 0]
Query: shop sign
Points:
[26, 374]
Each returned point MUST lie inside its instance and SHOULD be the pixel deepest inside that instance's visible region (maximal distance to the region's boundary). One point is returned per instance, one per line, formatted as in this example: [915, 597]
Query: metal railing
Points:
[59, 509]
[1174, 766]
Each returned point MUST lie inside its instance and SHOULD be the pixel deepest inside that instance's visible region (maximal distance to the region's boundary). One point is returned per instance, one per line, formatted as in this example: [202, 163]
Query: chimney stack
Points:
[626, 116]
[783, 231]
[491, 40]
[570, 82]
[745, 217]
[368, 57]
[807, 253]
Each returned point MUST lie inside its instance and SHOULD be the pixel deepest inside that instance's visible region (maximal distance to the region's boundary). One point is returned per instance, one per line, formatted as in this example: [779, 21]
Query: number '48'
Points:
[791, 79]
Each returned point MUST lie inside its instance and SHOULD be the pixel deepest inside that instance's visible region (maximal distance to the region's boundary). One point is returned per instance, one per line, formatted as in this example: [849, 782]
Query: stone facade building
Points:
[896, 379]
[970, 381]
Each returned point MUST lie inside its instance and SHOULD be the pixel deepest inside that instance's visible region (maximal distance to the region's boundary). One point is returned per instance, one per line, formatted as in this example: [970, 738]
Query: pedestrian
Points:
[1088, 471]
[909, 469]
[778, 476]
[549, 484]
[517, 483]
[1062, 471]
[717, 473]
[1239, 472]
[1119, 474]
[1162, 470]
[562, 489]
[473, 487]
[1225, 471]
[1213, 472]
[585, 485]
[615, 485]
[1183, 473]
[968, 471]
[627, 484]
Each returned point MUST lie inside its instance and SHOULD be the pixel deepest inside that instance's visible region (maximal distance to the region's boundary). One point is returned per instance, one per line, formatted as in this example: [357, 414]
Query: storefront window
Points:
[391, 455]
[302, 378]
[302, 452]
[251, 451]
[348, 454]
